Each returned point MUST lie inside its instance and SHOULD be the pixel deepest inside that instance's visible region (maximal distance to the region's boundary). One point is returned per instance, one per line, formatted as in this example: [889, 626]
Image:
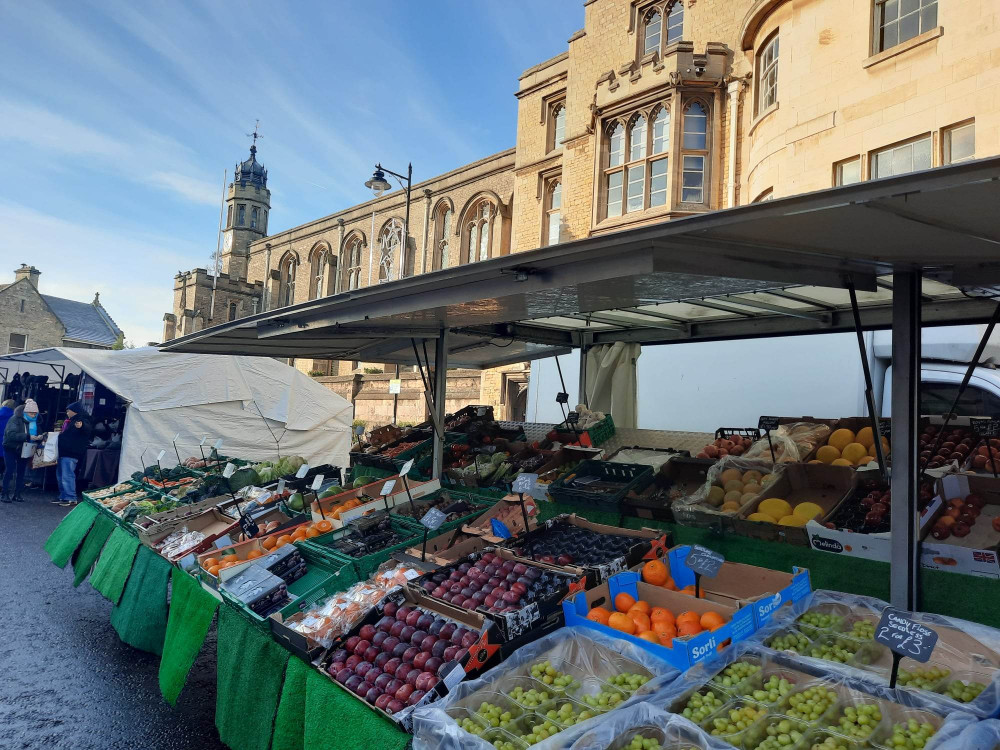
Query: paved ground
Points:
[66, 681]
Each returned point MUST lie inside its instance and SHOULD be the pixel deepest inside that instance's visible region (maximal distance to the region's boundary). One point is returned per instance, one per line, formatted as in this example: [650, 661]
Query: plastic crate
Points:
[479, 503]
[625, 476]
[366, 565]
[602, 431]
[363, 470]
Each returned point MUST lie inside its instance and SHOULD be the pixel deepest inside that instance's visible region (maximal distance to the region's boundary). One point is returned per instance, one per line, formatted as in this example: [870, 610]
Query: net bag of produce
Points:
[628, 728]
[731, 484]
[833, 631]
[792, 442]
[576, 673]
[745, 696]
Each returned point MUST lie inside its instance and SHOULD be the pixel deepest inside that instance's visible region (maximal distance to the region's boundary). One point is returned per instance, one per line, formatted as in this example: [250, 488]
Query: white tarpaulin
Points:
[257, 406]
[611, 382]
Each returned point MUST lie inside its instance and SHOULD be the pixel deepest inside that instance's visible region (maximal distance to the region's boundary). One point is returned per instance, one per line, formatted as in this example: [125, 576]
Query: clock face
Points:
[228, 241]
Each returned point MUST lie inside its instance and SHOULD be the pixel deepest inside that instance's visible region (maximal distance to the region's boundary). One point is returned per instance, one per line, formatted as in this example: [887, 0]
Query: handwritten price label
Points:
[904, 636]
[767, 423]
[704, 561]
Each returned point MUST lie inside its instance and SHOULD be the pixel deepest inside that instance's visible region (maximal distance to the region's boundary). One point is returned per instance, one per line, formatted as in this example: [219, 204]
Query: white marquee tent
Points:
[257, 406]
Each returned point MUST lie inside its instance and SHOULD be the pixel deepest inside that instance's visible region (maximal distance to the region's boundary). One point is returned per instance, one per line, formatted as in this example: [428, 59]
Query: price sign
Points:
[359, 429]
[387, 488]
[704, 561]
[223, 541]
[986, 428]
[249, 526]
[904, 636]
[394, 386]
[229, 470]
[405, 469]
[481, 411]
[176, 438]
[218, 445]
[885, 427]
[525, 483]
[203, 440]
[767, 423]
[317, 483]
[187, 561]
[573, 417]
[160, 456]
[303, 470]
[433, 519]
[281, 486]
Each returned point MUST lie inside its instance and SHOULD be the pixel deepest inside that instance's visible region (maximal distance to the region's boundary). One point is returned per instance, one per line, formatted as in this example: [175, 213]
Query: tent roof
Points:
[151, 380]
[776, 268]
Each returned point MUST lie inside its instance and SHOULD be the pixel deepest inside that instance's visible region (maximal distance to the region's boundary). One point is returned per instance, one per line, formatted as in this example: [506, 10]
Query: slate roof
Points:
[84, 321]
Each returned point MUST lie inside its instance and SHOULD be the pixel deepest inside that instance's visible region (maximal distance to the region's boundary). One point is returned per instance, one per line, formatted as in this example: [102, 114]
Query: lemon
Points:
[840, 462]
[865, 437]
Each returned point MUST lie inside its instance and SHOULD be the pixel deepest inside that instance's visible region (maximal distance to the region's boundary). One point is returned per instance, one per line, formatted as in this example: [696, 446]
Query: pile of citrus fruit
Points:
[212, 565]
[335, 512]
[845, 448]
[654, 624]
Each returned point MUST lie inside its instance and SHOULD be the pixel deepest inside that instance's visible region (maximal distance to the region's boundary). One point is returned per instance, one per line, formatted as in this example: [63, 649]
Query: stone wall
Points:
[35, 320]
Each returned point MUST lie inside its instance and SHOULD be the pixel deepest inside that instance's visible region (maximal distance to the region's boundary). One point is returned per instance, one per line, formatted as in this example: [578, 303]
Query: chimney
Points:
[27, 272]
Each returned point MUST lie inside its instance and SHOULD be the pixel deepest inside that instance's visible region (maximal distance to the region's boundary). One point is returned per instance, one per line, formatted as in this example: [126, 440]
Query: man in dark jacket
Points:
[73, 443]
[21, 431]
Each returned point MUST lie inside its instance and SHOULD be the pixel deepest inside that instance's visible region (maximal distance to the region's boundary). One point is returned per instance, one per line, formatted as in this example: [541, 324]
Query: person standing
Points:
[73, 443]
[6, 412]
[19, 436]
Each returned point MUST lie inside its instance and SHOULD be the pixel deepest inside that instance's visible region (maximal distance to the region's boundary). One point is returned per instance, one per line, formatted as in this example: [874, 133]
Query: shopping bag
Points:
[50, 451]
[27, 449]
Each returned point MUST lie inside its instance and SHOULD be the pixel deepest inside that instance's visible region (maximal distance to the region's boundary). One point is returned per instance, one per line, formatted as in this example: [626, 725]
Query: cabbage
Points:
[293, 463]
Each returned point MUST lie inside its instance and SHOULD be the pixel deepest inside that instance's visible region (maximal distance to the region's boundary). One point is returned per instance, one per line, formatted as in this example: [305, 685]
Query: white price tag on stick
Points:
[405, 469]
[229, 470]
[218, 445]
[317, 483]
[160, 456]
[387, 487]
[281, 486]
[303, 470]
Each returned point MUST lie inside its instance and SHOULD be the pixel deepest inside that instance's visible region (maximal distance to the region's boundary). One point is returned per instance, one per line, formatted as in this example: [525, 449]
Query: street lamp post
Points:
[378, 184]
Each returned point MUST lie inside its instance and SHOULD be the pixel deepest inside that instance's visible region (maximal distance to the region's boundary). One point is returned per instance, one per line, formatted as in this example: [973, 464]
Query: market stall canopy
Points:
[777, 268]
[256, 406]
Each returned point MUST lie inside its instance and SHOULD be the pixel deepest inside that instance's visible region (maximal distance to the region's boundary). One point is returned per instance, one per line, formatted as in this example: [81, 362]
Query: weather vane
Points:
[255, 135]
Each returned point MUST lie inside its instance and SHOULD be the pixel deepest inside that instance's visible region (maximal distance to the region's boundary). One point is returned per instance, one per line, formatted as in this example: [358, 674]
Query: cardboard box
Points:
[508, 512]
[649, 544]
[977, 553]
[148, 526]
[685, 651]
[450, 547]
[679, 477]
[739, 584]
[323, 509]
[513, 625]
[213, 524]
[827, 486]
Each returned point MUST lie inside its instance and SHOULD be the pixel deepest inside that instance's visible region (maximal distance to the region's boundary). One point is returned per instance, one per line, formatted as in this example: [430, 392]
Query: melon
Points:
[763, 517]
[733, 497]
[730, 507]
[840, 462]
[853, 451]
[733, 485]
[752, 488]
[746, 497]
[807, 510]
[841, 438]
[751, 476]
[828, 453]
[731, 474]
[775, 507]
[715, 495]
[792, 520]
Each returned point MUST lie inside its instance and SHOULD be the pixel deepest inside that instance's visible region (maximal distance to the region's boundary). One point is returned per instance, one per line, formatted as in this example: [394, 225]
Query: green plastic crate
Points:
[602, 431]
[368, 564]
[480, 505]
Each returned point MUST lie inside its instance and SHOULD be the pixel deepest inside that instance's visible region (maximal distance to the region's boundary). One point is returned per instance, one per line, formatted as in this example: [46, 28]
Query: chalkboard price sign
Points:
[904, 636]
[249, 526]
[433, 519]
[525, 483]
[767, 423]
[987, 428]
[704, 561]
[885, 427]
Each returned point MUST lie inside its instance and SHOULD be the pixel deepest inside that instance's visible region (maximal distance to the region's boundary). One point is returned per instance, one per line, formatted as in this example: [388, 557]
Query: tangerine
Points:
[688, 616]
[311, 533]
[324, 526]
[599, 614]
[283, 540]
[268, 543]
[640, 618]
[209, 562]
[670, 584]
[624, 602]
[689, 590]
[299, 535]
[622, 622]
[649, 635]
[666, 637]
[661, 614]
[689, 628]
[213, 570]
[254, 554]
[711, 620]
[665, 632]
[643, 606]
[655, 573]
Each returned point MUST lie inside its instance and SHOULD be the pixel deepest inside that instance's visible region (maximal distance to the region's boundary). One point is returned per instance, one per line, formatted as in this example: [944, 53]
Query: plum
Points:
[362, 669]
[390, 643]
[427, 643]
[383, 680]
[353, 682]
[412, 675]
[457, 636]
[392, 665]
[340, 654]
[362, 646]
[449, 652]
[352, 643]
[412, 617]
[469, 640]
[367, 632]
[371, 653]
[439, 591]
[344, 675]
[417, 636]
[447, 629]
[420, 660]
[404, 692]
[411, 652]
[403, 612]
[352, 661]
[439, 647]
[373, 694]
[335, 666]
[400, 650]
[389, 610]
[382, 701]
[433, 664]
[394, 685]
[397, 628]
[394, 706]
[435, 627]
[379, 637]
[425, 681]
[403, 670]
[372, 674]
[407, 633]
[415, 697]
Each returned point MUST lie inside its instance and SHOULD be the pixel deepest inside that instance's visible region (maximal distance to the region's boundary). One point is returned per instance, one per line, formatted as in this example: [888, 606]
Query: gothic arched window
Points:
[442, 236]
[288, 269]
[390, 243]
[352, 267]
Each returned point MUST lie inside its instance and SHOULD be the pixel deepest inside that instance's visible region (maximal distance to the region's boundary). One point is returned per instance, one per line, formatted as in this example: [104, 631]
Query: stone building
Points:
[32, 320]
[657, 109]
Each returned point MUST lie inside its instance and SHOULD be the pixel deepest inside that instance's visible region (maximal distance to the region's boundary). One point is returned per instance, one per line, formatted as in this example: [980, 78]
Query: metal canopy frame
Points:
[916, 249]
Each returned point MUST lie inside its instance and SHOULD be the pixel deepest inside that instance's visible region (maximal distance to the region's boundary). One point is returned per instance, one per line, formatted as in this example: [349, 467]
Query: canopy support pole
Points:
[440, 389]
[904, 545]
[873, 412]
[582, 396]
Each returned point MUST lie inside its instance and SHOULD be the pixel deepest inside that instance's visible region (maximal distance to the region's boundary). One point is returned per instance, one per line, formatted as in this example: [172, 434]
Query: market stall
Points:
[172, 403]
[586, 625]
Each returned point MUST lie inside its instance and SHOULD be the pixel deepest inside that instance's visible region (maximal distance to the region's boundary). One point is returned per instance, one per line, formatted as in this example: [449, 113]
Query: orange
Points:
[622, 622]
[209, 562]
[310, 533]
[712, 620]
[641, 619]
[689, 628]
[661, 613]
[670, 584]
[599, 614]
[324, 526]
[688, 617]
[299, 535]
[649, 635]
[283, 540]
[624, 602]
[254, 554]
[655, 573]
[665, 634]
[268, 543]
[214, 570]
[642, 606]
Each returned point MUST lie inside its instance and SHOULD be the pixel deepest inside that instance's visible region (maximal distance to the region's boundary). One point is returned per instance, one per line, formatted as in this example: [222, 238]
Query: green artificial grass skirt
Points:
[68, 535]
[91, 548]
[114, 565]
[250, 669]
[140, 619]
[191, 612]
[289, 725]
[335, 719]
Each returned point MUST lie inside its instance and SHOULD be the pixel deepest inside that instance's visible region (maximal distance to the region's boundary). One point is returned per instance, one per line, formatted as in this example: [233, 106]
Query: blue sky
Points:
[117, 120]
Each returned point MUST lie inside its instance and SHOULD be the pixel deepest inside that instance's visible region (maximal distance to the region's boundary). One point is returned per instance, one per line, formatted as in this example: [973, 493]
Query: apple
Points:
[394, 706]
[382, 701]
[344, 675]
[967, 518]
[415, 697]
[975, 500]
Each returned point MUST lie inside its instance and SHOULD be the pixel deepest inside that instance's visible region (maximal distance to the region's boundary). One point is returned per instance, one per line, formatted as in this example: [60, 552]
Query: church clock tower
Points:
[248, 202]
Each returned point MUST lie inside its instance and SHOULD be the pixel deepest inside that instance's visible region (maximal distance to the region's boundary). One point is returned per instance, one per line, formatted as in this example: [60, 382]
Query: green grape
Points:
[701, 705]
[790, 641]
[780, 733]
[815, 621]
[863, 629]
[909, 735]
[736, 720]
[472, 727]
[566, 715]
[541, 731]
[834, 649]
[810, 704]
[545, 672]
[858, 721]
[496, 716]
[964, 692]
[925, 678]
[604, 700]
[504, 745]
[628, 681]
[735, 673]
[773, 690]
[642, 743]
[831, 742]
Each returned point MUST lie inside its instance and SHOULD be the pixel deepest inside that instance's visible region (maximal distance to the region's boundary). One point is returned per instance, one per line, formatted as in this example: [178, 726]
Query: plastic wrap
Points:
[982, 735]
[672, 732]
[792, 442]
[969, 652]
[340, 612]
[586, 656]
[740, 464]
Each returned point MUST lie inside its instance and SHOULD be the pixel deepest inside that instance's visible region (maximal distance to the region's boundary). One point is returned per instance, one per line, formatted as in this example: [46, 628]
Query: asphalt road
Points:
[66, 681]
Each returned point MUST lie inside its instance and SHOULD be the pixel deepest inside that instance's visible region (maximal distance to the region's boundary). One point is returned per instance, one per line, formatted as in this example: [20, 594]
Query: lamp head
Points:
[378, 184]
